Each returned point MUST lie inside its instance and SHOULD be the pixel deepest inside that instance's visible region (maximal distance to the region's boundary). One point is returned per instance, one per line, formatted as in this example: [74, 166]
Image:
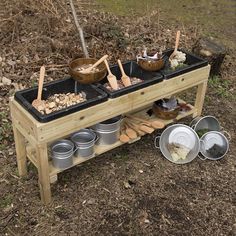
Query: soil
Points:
[132, 190]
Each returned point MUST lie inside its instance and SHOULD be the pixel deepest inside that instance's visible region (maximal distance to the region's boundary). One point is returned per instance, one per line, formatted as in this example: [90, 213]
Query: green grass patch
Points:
[221, 87]
[6, 201]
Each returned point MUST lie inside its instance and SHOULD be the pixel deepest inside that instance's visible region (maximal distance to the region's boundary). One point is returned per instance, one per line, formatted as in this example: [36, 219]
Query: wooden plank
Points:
[23, 120]
[200, 97]
[43, 172]
[102, 149]
[31, 154]
[20, 152]
[90, 116]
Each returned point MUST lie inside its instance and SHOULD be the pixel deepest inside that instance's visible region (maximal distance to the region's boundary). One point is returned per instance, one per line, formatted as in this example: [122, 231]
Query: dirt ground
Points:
[198, 198]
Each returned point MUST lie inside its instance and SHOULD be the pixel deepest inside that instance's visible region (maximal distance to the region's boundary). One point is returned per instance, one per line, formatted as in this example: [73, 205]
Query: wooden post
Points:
[20, 152]
[43, 172]
[201, 91]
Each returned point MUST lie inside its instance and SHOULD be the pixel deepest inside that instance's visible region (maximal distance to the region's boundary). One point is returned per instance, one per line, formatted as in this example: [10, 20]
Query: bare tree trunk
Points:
[81, 33]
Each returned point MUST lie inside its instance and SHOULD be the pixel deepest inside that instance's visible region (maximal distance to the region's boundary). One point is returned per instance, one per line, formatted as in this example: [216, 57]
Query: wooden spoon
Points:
[176, 45]
[155, 124]
[110, 77]
[88, 70]
[125, 79]
[136, 128]
[39, 102]
[123, 137]
[146, 129]
[130, 132]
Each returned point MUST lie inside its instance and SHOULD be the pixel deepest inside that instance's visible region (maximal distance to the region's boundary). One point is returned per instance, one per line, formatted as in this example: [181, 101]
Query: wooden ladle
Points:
[39, 102]
[125, 79]
[111, 78]
[155, 124]
[176, 45]
[88, 70]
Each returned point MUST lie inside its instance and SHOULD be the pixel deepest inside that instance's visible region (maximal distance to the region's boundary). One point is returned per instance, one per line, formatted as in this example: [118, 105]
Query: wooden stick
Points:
[81, 33]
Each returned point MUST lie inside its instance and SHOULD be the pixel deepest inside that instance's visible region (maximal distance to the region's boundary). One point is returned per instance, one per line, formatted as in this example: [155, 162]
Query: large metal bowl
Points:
[90, 77]
[180, 134]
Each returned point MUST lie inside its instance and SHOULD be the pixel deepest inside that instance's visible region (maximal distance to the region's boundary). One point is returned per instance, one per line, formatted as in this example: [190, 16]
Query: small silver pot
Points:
[214, 145]
[62, 153]
[179, 134]
[109, 125]
[207, 122]
[84, 141]
[107, 137]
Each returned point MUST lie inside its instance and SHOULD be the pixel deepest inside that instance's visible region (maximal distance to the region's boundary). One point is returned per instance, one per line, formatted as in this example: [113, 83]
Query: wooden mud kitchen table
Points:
[32, 138]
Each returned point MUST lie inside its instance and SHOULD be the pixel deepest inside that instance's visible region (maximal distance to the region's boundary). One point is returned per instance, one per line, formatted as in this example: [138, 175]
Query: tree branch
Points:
[81, 33]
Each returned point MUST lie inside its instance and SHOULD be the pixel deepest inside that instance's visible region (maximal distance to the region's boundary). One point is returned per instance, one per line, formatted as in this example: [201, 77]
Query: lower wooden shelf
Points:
[102, 149]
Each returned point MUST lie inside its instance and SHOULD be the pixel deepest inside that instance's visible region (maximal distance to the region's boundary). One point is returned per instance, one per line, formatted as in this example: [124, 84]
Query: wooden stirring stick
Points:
[111, 78]
[125, 79]
[130, 132]
[88, 70]
[39, 102]
[135, 127]
[176, 45]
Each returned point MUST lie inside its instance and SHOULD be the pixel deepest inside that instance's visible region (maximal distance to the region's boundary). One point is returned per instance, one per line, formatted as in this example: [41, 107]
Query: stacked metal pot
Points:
[214, 144]
[204, 136]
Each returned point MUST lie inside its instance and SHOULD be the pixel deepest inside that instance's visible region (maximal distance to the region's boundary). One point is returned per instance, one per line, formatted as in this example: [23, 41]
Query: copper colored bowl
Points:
[90, 77]
[151, 65]
[165, 114]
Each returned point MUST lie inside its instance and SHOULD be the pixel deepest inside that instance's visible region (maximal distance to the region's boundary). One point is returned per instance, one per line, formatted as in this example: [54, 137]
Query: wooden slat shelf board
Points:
[102, 149]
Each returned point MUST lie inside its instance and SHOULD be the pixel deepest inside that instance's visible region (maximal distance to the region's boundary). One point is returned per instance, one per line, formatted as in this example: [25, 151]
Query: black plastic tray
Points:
[25, 97]
[192, 63]
[132, 69]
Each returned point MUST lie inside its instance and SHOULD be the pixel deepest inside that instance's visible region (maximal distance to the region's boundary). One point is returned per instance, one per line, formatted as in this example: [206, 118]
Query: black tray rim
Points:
[61, 113]
[168, 75]
[132, 88]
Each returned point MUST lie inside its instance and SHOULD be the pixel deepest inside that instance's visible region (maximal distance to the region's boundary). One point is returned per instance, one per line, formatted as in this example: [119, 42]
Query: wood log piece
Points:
[212, 51]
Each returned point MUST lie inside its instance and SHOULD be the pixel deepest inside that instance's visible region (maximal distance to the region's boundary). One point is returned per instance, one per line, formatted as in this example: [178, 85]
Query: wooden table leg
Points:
[201, 91]
[43, 172]
[20, 152]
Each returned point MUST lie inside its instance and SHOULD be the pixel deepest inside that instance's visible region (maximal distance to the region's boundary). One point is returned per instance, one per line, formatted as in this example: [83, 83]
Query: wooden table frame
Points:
[32, 137]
